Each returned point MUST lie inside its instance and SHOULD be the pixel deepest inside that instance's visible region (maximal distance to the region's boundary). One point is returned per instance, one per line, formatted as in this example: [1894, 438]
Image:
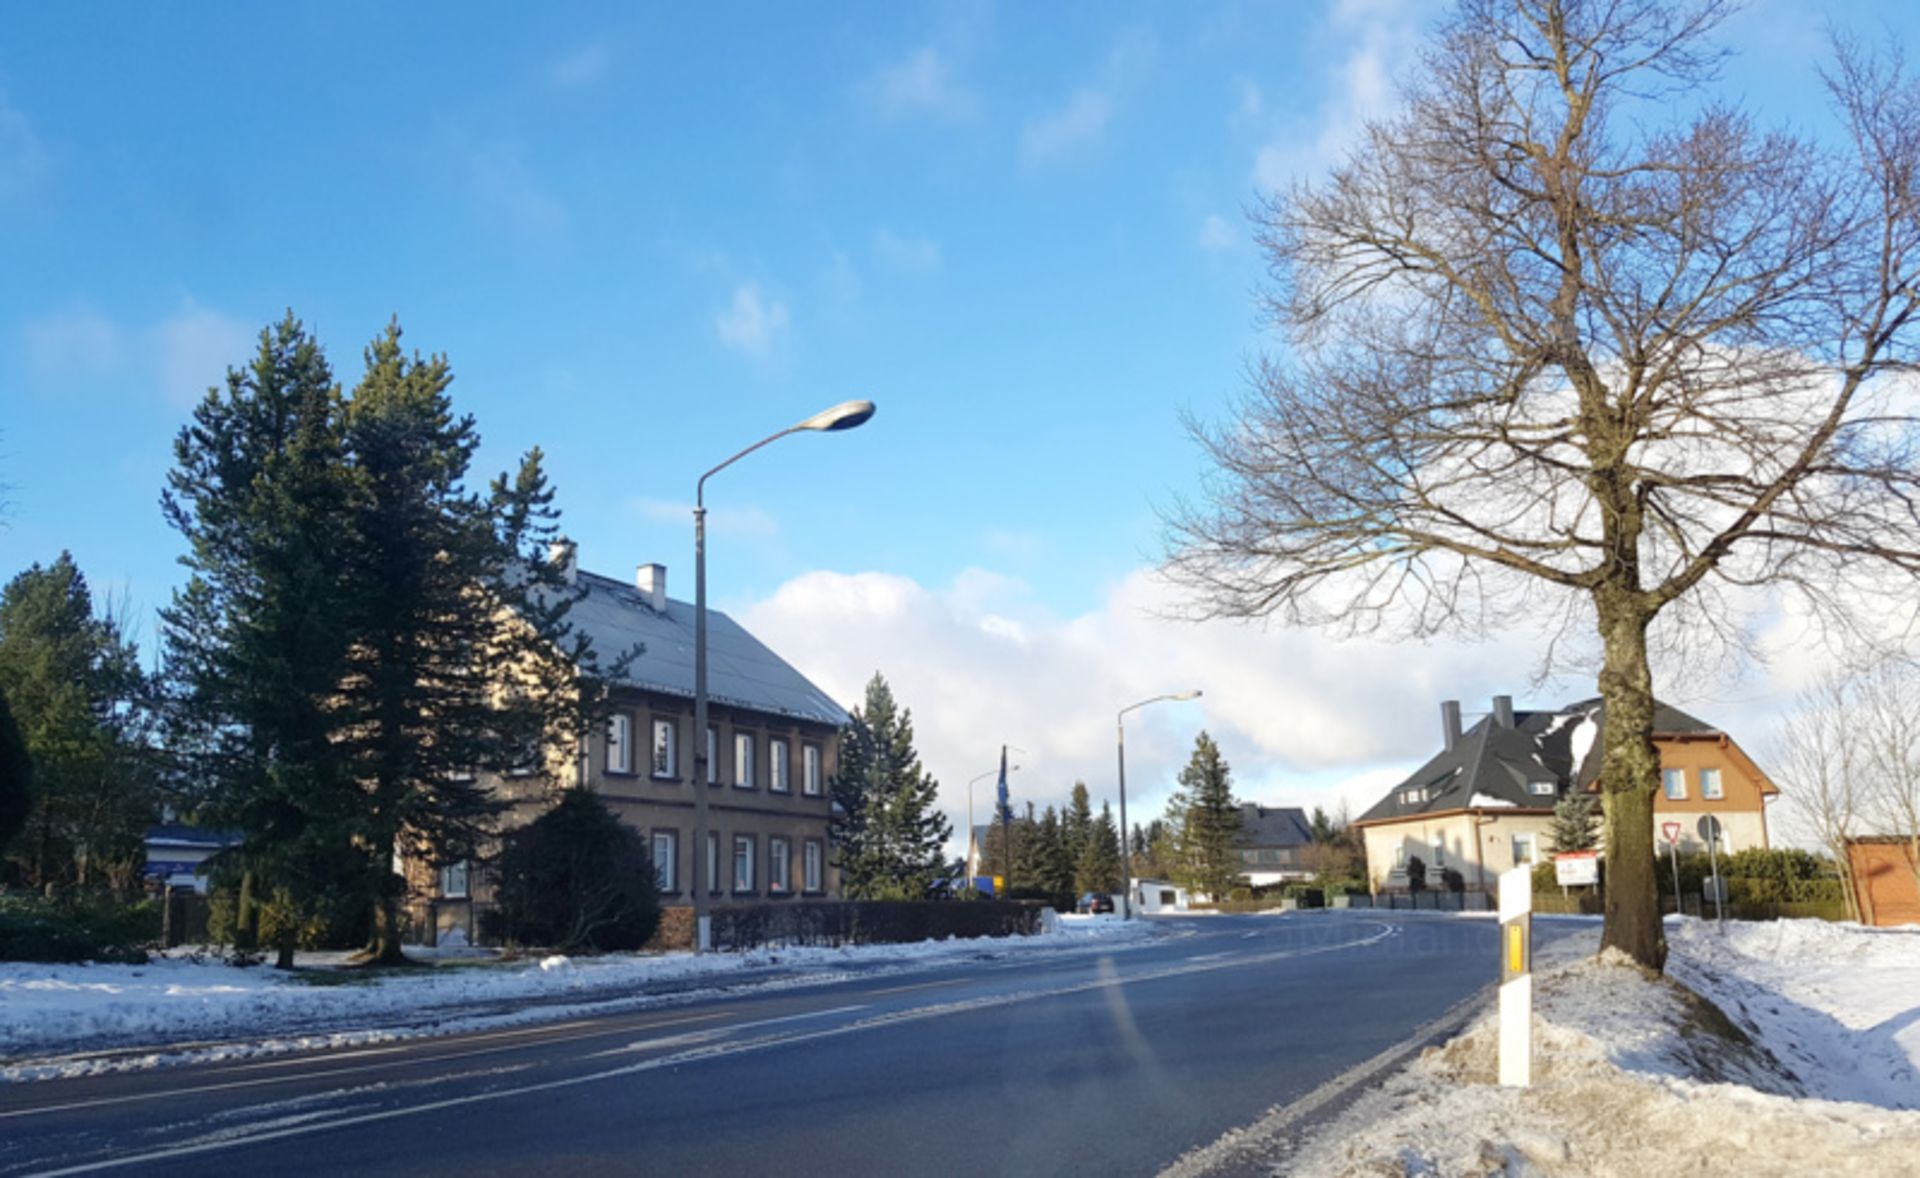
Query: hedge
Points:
[869, 922]
[69, 931]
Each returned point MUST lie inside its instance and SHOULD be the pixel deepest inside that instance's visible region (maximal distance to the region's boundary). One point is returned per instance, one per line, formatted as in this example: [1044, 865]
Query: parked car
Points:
[1096, 902]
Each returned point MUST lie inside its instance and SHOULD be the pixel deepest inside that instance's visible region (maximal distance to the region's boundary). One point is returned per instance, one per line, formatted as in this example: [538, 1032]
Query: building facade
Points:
[772, 746]
[1484, 803]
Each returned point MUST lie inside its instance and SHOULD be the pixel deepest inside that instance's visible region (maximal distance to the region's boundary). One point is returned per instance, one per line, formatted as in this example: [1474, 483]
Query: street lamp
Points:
[1126, 838]
[993, 772]
[845, 415]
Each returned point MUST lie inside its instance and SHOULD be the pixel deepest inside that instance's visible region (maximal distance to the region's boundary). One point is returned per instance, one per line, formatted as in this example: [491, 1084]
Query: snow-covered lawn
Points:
[1814, 1068]
[49, 1010]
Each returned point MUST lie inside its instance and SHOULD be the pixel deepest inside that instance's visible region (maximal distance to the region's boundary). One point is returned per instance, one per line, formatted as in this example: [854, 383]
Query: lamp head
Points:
[845, 415]
[1188, 695]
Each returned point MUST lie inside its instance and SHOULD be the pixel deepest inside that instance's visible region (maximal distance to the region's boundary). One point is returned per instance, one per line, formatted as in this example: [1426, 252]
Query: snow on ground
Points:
[1802, 1060]
[52, 1009]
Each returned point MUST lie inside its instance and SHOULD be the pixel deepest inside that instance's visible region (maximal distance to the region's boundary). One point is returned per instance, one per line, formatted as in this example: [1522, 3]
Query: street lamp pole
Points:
[845, 415]
[971, 782]
[1126, 836]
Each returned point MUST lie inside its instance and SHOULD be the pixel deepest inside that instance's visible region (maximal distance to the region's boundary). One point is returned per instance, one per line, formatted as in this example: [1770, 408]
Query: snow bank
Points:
[1638, 1075]
[47, 1009]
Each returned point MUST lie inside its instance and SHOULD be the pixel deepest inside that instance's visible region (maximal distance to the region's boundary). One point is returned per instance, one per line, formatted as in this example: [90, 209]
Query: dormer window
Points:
[1414, 796]
[1540, 789]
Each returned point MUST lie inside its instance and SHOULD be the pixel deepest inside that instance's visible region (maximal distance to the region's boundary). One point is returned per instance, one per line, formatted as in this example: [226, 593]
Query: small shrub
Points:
[1416, 874]
[1452, 880]
[576, 878]
[67, 931]
[1545, 878]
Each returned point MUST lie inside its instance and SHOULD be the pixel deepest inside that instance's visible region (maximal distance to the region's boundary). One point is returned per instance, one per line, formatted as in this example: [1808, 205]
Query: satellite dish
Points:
[1709, 828]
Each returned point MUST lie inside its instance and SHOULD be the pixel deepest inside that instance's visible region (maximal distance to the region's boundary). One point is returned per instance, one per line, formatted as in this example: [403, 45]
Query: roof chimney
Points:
[651, 580]
[1450, 722]
[560, 554]
[1503, 710]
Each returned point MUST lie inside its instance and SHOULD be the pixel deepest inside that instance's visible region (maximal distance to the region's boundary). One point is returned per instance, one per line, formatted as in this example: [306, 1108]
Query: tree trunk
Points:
[1629, 775]
[246, 933]
[285, 958]
[384, 948]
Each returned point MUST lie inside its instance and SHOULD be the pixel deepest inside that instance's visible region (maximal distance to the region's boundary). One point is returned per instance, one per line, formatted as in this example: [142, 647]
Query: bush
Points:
[67, 931]
[1545, 879]
[574, 879]
[1452, 880]
[868, 922]
[1416, 874]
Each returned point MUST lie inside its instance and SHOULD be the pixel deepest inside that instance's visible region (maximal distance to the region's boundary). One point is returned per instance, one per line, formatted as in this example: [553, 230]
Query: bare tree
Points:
[1817, 758]
[1889, 728]
[1569, 338]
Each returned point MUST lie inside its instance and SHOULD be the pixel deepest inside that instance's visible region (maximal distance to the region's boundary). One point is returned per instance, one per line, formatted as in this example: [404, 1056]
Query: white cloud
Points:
[745, 521]
[1216, 233]
[751, 322]
[79, 340]
[192, 350]
[1301, 717]
[912, 255]
[508, 190]
[1070, 129]
[1373, 40]
[920, 83]
[582, 67]
[841, 280]
[22, 158]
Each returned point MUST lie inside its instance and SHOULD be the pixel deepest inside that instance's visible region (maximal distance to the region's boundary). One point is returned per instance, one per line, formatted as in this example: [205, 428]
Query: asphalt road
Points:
[1076, 1063]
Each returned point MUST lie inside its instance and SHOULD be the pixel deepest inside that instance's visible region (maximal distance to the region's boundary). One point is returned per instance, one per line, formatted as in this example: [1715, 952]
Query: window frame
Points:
[744, 748]
[1541, 789]
[779, 865]
[713, 754]
[812, 770]
[779, 758]
[671, 728]
[669, 886]
[1532, 842]
[1712, 774]
[1669, 778]
[746, 843]
[713, 863]
[619, 738]
[813, 867]
[461, 870]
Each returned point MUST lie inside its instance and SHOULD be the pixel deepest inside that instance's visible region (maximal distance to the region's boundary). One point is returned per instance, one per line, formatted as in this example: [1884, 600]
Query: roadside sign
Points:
[1671, 830]
[1709, 828]
[1573, 869]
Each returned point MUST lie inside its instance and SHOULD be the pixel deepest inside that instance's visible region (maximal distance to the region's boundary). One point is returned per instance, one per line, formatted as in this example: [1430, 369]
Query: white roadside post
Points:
[1516, 977]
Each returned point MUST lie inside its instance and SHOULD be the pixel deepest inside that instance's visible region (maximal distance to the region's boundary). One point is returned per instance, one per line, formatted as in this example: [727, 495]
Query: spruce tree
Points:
[1056, 865]
[1576, 823]
[888, 830]
[16, 778]
[1212, 820]
[1099, 867]
[1077, 822]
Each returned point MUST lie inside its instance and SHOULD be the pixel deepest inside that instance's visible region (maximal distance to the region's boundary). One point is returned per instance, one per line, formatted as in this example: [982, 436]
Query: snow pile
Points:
[47, 1009]
[1639, 1075]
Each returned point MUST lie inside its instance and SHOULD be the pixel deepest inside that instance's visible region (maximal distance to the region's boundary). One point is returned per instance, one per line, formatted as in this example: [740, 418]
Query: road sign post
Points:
[1672, 831]
[1710, 831]
[1516, 977]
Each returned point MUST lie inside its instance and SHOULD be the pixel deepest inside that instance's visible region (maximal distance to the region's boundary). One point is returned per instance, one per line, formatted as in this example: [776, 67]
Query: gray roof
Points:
[1261, 827]
[741, 671]
[1492, 766]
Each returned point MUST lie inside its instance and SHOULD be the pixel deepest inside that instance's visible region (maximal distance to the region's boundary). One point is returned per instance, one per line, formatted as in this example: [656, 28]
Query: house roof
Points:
[180, 835]
[1493, 766]
[741, 671]
[1280, 826]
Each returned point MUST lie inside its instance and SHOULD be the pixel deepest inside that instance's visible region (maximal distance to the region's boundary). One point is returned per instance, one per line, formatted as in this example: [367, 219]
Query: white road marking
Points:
[712, 1051]
[919, 986]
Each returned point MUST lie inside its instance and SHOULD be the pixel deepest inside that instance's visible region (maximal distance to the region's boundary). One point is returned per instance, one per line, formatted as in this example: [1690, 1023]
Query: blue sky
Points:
[645, 238]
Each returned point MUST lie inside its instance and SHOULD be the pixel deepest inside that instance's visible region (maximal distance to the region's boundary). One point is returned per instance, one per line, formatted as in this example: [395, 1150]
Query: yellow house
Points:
[1484, 803]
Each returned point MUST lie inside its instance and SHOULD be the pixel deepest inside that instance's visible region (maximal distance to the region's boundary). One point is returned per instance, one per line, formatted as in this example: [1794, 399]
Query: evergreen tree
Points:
[1323, 828]
[888, 831]
[1576, 823]
[78, 698]
[1212, 820]
[1077, 822]
[1099, 867]
[1055, 865]
[16, 779]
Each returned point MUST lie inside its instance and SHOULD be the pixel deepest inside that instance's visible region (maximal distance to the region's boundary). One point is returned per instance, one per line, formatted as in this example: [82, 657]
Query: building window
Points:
[812, 865]
[1710, 786]
[1540, 789]
[453, 880]
[1676, 783]
[1413, 797]
[810, 770]
[713, 756]
[777, 767]
[743, 760]
[1400, 855]
[713, 861]
[664, 762]
[665, 871]
[1522, 849]
[779, 865]
[620, 743]
[743, 863]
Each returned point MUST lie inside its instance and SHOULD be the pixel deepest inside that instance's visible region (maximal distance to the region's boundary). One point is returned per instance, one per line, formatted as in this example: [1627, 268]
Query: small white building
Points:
[1157, 895]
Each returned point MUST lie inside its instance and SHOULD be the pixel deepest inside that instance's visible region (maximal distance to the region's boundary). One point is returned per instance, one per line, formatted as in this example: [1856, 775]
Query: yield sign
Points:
[1671, 830]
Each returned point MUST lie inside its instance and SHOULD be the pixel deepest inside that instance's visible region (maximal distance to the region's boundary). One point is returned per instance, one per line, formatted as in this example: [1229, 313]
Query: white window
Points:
[1413, 797]
[1440, 854]
[1522, 849]
[811, 865]
[664, 761]
[453, 880]
[1676, 783]
[664, 868]
[713, 756]
[1540, 789]
[777, 766]
[779, 865]
[1710, 786]
[743, 760]
[713, 860]
[620, 743]
[810, 770]
[1400, 855]
[743, 863]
